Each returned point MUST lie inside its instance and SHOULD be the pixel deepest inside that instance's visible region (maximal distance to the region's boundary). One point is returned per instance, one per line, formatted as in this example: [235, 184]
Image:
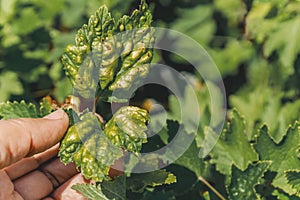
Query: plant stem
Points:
[200, 178]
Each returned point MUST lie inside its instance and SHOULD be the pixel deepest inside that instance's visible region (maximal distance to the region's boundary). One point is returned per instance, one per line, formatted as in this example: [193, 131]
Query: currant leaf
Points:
[232, 147]
[284, 156]
[293, 177]
[90, 191]
[10, 110]
[108, 58]
[86, 145]
[242, 184]
[127, 128]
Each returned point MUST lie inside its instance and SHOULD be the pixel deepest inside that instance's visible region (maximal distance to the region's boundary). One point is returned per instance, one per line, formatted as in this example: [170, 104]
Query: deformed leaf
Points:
[127, 128]
[86, 145]
[110, 54]
[242, 184]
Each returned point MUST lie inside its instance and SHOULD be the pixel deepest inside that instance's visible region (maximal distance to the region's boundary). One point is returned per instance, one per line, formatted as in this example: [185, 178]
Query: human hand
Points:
[29, 168]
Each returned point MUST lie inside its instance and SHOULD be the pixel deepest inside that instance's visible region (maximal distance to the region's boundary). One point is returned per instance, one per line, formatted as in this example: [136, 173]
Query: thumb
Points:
[27, 136]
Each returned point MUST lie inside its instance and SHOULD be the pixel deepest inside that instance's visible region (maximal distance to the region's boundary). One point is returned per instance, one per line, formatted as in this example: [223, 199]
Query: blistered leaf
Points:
[86, 145]
[242, 184]
[104, 59]
[284, 156]
[127, 128]
[232, 147]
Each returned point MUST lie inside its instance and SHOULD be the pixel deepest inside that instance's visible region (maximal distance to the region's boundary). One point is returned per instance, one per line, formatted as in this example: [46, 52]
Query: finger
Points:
[34, 185]
[7, 188]
[66, 192]
[26, 165]
[26, 136]
[57, 172]
[40, 183]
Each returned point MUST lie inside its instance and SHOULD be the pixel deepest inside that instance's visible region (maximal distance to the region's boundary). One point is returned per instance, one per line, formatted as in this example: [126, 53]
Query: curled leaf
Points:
[86, 145]
[127, 128]
[110, 54]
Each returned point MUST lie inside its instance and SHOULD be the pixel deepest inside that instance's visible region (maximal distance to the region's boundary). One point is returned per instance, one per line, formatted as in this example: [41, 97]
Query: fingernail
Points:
[56, 115]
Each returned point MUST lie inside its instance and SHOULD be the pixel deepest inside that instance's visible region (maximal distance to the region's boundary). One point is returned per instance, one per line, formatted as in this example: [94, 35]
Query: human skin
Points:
[29, 167]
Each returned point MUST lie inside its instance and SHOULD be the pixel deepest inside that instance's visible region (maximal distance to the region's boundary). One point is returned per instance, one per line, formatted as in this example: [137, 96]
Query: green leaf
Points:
[200, 28]
[233, 10]
[10, 79]
[232, 147]
[269, 110]
[21, 25]
[280, 41]
[127, 128]
[293, 177]
[115, 189]
[138, 182]
[188, 108]
[86, 145]
[10, 110]
[45, 107]
[274, 25]
[90, 191]
[284, 156]
[242, 48]
[159, 195]
[191, 161]
[16, 109]
[242, 184]
[283, 196]
[257, 25]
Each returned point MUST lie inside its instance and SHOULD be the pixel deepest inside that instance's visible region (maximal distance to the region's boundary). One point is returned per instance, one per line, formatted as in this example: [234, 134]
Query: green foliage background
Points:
[254, 43]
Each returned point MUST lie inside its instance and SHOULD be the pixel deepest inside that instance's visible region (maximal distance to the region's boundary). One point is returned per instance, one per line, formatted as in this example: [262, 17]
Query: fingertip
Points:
[59, 114]
[60, 117]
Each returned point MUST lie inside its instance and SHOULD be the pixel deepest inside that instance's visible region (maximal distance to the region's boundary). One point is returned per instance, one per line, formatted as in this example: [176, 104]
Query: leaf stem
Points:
[200, 178]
